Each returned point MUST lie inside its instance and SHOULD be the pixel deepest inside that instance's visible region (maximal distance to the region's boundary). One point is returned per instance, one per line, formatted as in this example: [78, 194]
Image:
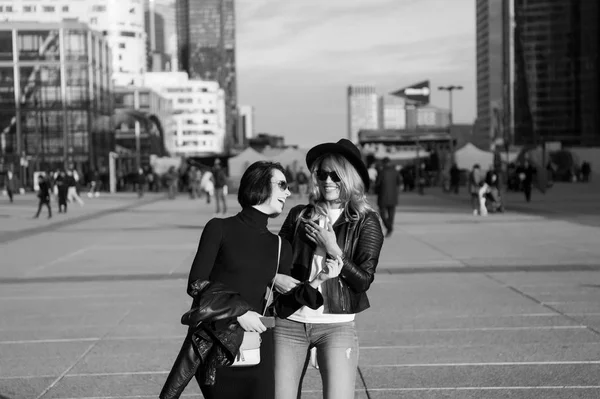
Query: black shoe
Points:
[389, 233]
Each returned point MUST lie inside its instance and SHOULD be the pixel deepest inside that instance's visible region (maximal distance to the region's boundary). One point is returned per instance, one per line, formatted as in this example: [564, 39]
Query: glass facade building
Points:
[206, 47]
[55, 97]
[557, 79]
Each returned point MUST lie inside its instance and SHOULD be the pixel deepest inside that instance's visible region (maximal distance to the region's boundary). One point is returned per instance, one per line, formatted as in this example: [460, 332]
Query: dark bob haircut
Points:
[255, 186]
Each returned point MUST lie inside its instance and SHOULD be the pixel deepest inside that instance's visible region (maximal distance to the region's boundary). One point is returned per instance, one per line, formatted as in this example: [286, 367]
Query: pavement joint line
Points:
[57, 260]
[532, 298]
[11, 236]
[84, 354]
[485, 270]
[507, 388]
[489, 364]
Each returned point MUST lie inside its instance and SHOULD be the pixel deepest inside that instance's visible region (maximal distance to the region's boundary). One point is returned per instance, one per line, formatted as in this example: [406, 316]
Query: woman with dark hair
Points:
[338, 223]
[240, 253]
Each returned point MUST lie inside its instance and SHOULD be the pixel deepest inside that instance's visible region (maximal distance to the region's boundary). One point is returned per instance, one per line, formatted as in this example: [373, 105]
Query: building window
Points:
[28, 8]
[8, 9]
[65, 8]
[48, 8]
[99, 8]
[93, 21]
[121, 45]
[127, 33]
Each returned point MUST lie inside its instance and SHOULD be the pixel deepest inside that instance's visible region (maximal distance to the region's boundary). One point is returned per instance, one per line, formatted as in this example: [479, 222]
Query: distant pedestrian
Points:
[207, 185]
[525, 173]
[373, 175]
[62, 191]
[10, 185]
[220, 178]
[72, 184]
[386, 188]
[454, 179]
[302, 181]
[94, 178]
[140, 181]
[43, 196]
[171, 179]
[586, 171]
[476, 181]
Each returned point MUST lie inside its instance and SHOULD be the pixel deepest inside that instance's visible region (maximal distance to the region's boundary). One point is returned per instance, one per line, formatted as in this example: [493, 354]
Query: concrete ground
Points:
[506, 306]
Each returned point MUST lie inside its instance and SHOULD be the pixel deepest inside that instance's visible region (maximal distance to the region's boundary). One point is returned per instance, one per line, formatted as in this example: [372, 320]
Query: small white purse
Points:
[249, 353]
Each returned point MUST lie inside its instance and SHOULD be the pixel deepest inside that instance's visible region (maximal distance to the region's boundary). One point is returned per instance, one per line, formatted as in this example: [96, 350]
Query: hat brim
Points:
[334, 148]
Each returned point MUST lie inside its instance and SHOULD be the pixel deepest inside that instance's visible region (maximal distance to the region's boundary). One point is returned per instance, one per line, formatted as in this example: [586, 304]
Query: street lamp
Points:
[450, 89]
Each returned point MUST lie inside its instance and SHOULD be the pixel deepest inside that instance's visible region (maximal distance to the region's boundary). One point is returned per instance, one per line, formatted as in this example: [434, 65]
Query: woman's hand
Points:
[323, 237]
[333, 268]
[284, 283]
[250, 321]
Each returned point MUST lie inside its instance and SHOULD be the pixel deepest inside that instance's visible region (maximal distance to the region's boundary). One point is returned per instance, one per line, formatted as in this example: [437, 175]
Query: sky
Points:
[295, 58]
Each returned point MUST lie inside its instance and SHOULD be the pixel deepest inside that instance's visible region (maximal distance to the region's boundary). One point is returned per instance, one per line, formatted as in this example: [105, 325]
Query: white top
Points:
[306, 314]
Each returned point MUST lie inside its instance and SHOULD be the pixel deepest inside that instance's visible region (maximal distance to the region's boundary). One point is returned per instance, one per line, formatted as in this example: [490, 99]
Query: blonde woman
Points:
[337, 224]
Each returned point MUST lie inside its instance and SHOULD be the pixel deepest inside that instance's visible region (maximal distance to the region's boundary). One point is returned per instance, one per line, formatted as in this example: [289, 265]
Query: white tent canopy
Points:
[469, 155]
[292, 157]
[239, 163]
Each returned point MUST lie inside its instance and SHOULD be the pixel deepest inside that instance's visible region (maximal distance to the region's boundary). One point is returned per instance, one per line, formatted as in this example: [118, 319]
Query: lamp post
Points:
[450, 89]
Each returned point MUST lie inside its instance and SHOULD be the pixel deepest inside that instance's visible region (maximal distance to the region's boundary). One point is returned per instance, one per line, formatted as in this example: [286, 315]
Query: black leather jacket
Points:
[213, 339]
[361, 243]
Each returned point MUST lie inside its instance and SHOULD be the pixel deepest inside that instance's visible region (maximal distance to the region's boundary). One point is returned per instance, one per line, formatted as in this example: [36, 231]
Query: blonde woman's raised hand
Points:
[332, 269]
[323, 237]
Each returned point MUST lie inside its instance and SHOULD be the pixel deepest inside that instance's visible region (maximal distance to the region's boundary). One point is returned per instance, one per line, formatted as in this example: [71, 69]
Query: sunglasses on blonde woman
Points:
[322, 176]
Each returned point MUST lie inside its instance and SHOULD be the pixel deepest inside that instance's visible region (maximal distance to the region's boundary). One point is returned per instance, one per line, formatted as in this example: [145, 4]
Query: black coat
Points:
[386, 186]
[213, 339]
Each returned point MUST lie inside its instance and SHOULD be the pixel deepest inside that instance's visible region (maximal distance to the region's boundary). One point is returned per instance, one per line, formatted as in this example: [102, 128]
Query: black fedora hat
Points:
[346, 149]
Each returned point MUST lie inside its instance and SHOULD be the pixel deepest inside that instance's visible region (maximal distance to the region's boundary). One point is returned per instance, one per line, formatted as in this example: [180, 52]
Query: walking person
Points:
[62, 190]
[337, 222]
[220, 179]
[454, 179]
[171, 179]
[302, 181]
[44, 196]
[207, 185]
[386, 188]
[525, 174]
[72, 191]
[475, 185]
[10, 185]
[140, 181]
[227, 254]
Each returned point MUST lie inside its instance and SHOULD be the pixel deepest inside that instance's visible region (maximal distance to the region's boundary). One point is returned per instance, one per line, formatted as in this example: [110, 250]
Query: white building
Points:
[199, 113]
[246, 117]
[363, 110]
[392, 112]
[121, 21]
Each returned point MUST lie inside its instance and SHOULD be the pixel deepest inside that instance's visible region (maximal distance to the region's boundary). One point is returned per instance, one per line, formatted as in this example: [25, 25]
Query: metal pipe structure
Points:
[450, 89]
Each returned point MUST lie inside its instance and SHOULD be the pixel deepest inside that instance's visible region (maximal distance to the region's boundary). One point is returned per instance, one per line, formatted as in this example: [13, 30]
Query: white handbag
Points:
[249, 353]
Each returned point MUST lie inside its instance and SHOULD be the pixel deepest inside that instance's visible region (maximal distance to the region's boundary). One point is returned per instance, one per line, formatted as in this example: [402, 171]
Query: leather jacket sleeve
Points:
[289, 225]
[359, 272]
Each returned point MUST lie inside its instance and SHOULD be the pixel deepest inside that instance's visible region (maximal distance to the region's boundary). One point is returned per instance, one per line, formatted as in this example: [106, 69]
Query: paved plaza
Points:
[506, 306]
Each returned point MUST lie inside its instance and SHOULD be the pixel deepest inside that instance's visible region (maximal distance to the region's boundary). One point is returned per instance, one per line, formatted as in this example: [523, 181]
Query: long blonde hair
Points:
[352, 189]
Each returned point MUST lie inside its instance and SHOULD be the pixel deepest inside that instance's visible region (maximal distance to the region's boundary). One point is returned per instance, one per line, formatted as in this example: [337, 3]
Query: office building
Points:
[122, 22]
[206, 48]
[154, 115]
[557, 80]
[493, 98]
[427, 116]
[392, 112]
[246, 122]
[198, 114]
[161, 34]
[55, 96]
[363, 110]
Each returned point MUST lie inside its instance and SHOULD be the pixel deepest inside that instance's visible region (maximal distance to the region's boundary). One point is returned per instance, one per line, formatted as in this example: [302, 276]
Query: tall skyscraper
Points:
[363, 110]
[159, 22]
[493, 77]
[557, 81]
[121, 22]
[206, 48]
